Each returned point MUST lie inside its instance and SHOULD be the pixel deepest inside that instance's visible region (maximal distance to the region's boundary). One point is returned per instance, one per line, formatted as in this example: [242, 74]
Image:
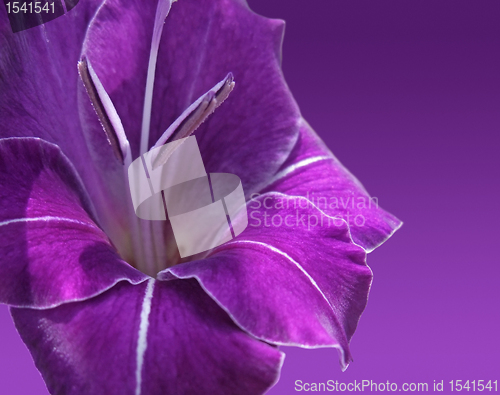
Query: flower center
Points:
[154, 247]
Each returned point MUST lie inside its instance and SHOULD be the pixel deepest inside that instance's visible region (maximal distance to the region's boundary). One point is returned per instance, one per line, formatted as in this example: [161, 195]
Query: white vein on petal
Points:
[142, 343]
[48, 219]
[288, 257]
[296, 166]
[162, 11]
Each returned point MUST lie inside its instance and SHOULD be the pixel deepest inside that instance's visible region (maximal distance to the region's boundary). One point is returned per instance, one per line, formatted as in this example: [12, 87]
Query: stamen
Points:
[162, 11]
[106, 112]
[206, 107]
[196, 118]
[192, 118]
[113, 127]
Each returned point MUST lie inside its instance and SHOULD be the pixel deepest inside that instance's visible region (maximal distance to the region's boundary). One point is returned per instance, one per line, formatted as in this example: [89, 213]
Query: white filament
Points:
[162, 11]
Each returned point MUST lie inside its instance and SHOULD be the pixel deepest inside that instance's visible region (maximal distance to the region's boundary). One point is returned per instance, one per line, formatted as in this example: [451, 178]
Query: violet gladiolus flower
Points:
[101, 298]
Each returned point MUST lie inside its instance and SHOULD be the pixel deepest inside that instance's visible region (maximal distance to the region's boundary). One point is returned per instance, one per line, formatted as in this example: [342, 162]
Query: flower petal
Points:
[41, 95]
[313, 172]
[292, 284]
[96, 347]
[311, 252]
[38, 80]
[205, 352]
[252, 133]
[53, 251]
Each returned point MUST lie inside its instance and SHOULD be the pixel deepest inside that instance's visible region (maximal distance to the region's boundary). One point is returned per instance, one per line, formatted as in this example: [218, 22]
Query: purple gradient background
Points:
[407, 95]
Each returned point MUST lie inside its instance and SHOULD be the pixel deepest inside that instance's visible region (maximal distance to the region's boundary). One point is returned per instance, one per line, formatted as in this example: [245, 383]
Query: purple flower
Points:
[102, 299]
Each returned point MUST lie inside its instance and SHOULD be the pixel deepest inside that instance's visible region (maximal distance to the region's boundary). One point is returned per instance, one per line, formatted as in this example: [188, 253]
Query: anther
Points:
[223, 93]
[106, 112]
[192, 118]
